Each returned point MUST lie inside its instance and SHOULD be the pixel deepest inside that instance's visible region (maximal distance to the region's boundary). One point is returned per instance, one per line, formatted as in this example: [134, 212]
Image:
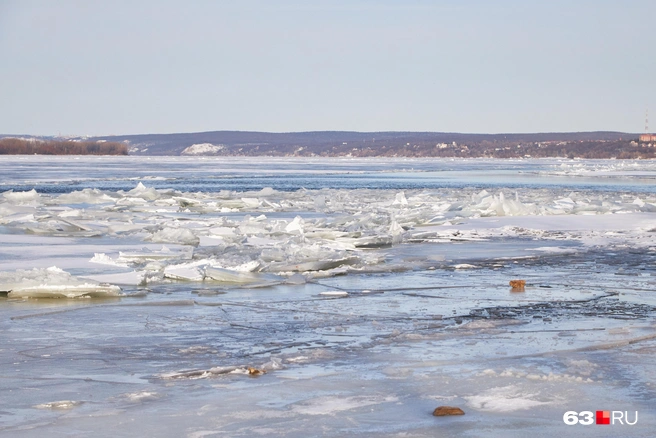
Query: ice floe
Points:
[52, 283]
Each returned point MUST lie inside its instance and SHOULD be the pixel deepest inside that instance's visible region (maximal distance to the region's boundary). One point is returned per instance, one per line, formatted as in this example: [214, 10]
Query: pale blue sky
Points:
[128, 67]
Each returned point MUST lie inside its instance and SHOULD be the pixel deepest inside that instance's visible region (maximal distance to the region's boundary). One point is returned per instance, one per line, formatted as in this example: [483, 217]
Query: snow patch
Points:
[203, 149]
[505, 399]
[332, 405]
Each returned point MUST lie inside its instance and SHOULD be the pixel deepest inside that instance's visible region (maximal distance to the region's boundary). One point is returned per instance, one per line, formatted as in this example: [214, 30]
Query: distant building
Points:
[646, 138]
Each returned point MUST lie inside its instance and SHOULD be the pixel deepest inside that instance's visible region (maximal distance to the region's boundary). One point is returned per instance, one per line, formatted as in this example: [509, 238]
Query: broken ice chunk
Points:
[400, 199]
[141, 396]
[127, 227]
[185, 271]
[381, 241]
[132, 278]
[147, 255]
[254, 226]
[52, 283]
[247, 266]
[464, 266]
[334, 293]
[86, 196]
[396, 231]
[296, 226]
[251, 202]
[245, 278]
[66, 291]
[59, 405]
[104, 259]
[183, 236]
[61, 227]
[267, 191]
[312, 265]
[141, 191]
[320, 202]
[21, 197]
[222, 231]
[13, 213]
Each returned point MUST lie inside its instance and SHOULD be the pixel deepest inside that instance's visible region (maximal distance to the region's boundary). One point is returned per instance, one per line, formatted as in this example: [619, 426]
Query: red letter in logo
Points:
[603, 417]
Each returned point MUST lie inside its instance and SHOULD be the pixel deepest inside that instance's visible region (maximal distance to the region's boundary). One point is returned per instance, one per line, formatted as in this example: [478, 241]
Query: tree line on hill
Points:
[339, 143]
[595, 149]
[18, 146]
[498, 148]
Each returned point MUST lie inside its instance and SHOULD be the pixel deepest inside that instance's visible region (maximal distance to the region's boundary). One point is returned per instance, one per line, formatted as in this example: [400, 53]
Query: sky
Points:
[478, 66]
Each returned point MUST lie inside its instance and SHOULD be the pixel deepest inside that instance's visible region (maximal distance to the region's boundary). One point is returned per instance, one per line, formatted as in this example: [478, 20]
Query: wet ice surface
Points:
[362, 308]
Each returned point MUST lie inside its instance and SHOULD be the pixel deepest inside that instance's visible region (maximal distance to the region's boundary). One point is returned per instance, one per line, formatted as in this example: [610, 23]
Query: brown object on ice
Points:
[518, 285]
[255, 372]
[443, 411]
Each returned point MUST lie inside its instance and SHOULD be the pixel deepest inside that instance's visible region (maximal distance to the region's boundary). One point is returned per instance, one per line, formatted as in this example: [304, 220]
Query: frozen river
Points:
[203, 297]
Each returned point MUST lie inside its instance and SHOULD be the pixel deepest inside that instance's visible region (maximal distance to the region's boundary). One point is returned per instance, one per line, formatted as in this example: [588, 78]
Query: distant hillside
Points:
[369, 144]
[340, 143]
